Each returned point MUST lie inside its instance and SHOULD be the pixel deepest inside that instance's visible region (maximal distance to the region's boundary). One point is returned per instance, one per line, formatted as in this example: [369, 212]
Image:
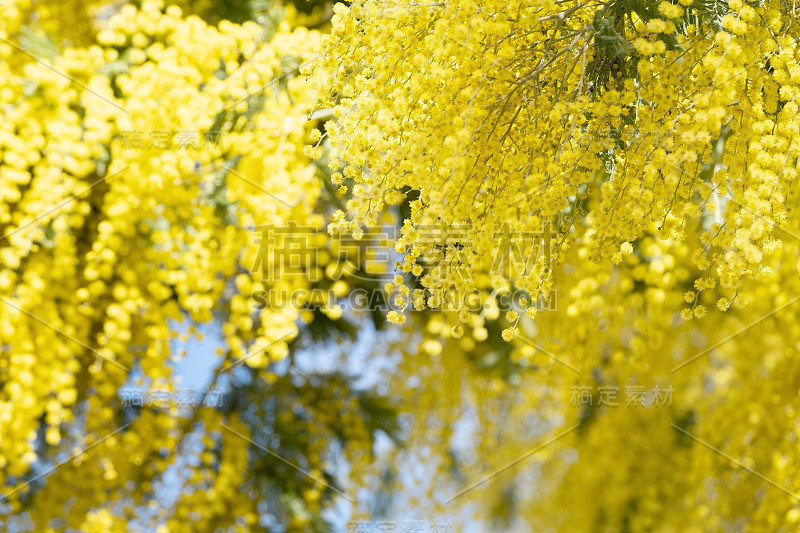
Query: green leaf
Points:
[113, 69]
[609, 44]
[42, 46]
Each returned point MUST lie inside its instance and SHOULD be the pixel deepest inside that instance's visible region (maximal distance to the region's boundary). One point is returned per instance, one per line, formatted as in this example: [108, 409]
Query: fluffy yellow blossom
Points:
[670, 10]
[136, 161]
[660, 26]
[510, 334]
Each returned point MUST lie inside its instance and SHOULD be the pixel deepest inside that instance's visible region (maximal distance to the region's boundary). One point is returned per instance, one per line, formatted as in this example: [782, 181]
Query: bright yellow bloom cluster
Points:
[71, 22]
[630, 167]
[497, 117]
[628, 452]
[133, 174]
[656, 154]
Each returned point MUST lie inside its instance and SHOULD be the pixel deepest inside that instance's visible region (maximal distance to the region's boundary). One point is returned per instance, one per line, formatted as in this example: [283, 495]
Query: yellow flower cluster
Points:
[664, 168]
[488, 122]
[133, 172]
[623, 458]
[69, 21]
